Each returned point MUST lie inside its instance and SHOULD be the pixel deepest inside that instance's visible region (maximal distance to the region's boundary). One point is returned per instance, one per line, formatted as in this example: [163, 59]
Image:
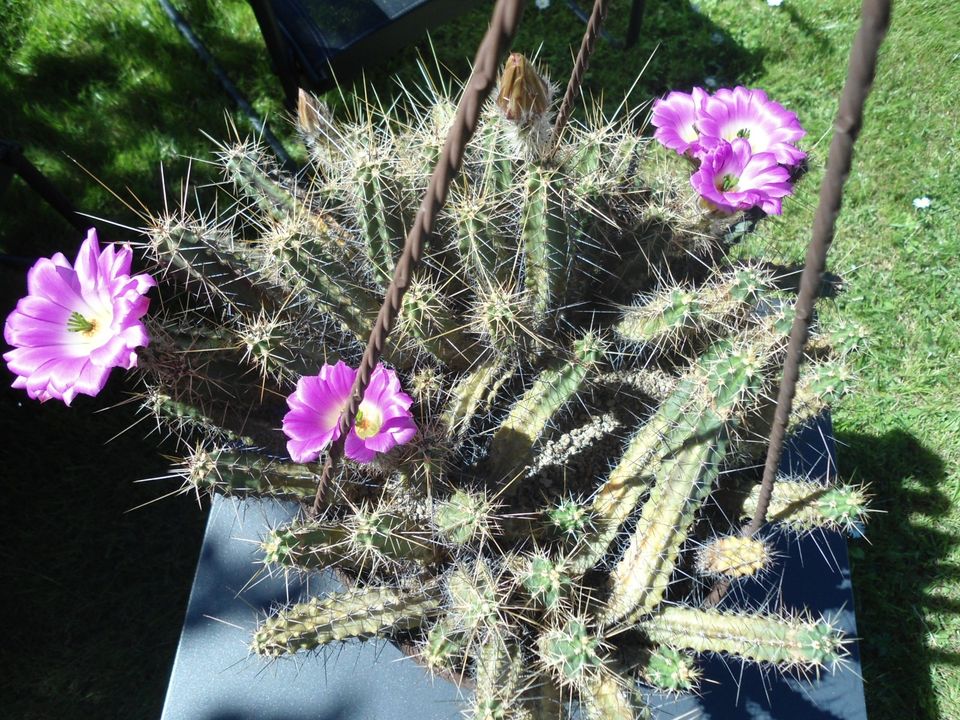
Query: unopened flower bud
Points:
[524, 95]
[313, 117]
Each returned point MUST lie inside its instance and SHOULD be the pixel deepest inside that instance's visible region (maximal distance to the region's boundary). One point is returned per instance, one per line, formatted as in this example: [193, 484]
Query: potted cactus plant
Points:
[546, 474]
[542, 480]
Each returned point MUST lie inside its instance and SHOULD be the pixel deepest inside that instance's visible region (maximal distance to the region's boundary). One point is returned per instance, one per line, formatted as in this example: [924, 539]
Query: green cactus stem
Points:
[248, 474]
[570, 652]
[734, 556]
[760, 638]
[463, 518]
[187, 419]
[187, 247]
[500, 672]
[472, 392]
[669, 670]
[641, 577]
[513, 441]
[804, 506]
[379, 215]
[543, 237]
[358, 613]
[605, 697]
[444, 647]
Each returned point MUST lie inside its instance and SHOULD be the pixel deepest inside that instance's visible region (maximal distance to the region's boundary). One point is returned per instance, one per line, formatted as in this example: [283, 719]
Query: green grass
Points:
[111, 87]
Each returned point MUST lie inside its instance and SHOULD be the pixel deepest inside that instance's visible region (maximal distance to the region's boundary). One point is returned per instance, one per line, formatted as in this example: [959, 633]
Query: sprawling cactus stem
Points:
[681, 419]
[474, 390]
[605, 697]
[733, 556]
[803, 506]
[547, 580]
[443, 648]
[472, 597]
[250, 170]
[186, 419]
[426, 317]
[308, 546]
[571, 652]
[682, 314]
[463, 518]
[185, 246]
[669, 670]
[820, 385]
[513, 441]
[500, 673]
[248, 474]
[360, 612]
[379, 214]
[546, 246]
[321, 282]
[761, 638]
[639, 580]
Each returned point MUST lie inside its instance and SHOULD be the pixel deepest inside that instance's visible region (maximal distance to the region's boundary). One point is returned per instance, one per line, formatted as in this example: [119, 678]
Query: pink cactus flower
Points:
[77, 322]
[677, 118]
[312, 423]
[750, 115]
[731, 178]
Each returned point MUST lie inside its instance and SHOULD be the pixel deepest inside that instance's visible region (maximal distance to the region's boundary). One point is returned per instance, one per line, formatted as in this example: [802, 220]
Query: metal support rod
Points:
[875, 19]
[503, 26]
[11, 155]
[245, 107]
[587, 45]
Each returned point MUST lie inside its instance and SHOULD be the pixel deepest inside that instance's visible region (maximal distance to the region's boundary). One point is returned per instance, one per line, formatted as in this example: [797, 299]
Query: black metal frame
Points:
[13, 162]
[302, 58]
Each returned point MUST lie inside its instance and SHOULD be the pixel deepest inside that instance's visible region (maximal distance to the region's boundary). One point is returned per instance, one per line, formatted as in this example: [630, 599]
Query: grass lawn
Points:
[112, 88]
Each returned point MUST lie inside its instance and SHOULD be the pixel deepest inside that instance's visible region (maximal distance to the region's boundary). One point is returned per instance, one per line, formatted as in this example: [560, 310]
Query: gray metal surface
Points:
[215, 678]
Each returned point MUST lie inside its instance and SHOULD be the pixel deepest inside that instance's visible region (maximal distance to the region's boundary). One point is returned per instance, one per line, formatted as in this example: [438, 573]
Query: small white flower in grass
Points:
[542, 4]
[922, 203]
[774, 3]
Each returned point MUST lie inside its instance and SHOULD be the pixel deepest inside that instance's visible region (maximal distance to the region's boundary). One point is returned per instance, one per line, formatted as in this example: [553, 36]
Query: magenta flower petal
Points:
[751, 115]
[312, 423]
[677, 118]
[732, 178]
[77, 322]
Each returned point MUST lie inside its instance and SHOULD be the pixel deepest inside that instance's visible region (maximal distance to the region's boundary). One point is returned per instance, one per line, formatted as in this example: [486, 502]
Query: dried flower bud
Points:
[524, 94]
[312, 116]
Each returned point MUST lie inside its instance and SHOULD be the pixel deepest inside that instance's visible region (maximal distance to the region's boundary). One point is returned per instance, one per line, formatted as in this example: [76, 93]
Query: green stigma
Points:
[728, 182]
[743, 133]
[367, 425]
[79, 324]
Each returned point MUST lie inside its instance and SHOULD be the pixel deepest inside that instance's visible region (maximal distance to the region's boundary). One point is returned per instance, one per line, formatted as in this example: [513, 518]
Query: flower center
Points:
[743, 133]
[727, 182]
[367, 424]
[79, 324]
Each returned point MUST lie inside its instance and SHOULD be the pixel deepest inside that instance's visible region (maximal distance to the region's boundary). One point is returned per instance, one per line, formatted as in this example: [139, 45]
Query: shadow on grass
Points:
[684, 48]
[121, 102]
[897, 574]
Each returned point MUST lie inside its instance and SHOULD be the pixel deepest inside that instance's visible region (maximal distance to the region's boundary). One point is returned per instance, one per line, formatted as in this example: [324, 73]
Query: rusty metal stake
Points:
[875, 19]
[503, 26]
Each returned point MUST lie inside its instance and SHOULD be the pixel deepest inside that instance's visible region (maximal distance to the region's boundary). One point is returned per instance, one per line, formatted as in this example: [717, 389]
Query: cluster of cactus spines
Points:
[804, 506]
[585, 358]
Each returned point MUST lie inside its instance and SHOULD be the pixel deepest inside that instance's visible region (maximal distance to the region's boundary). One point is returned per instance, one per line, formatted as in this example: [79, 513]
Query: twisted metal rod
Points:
[589, 42]
[503, 26]
[875, 19]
